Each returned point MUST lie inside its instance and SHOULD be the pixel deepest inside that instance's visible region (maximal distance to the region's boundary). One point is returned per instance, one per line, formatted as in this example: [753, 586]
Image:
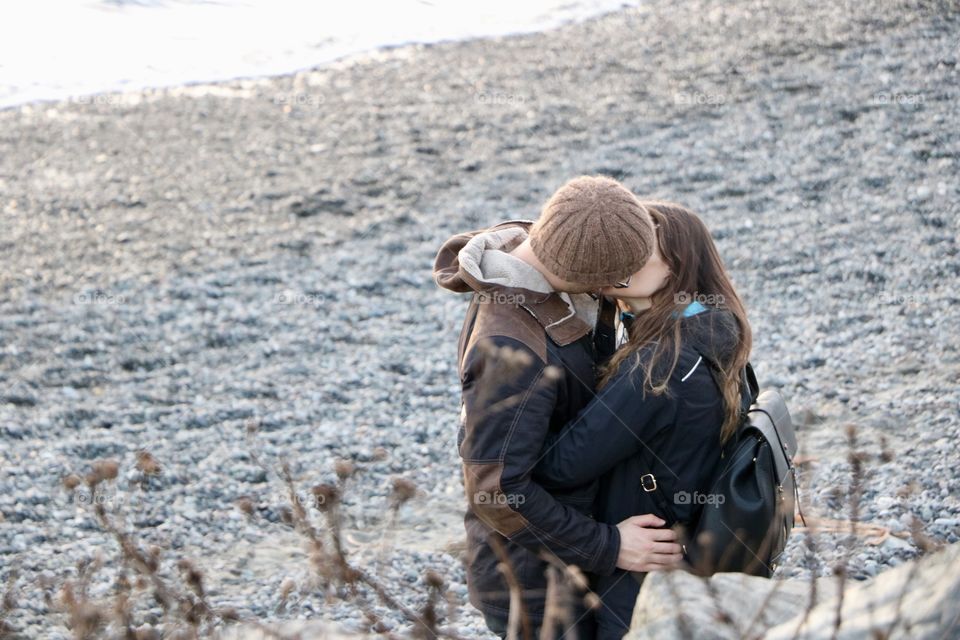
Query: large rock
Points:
[919, 599]
[733, 605]
[728, 606]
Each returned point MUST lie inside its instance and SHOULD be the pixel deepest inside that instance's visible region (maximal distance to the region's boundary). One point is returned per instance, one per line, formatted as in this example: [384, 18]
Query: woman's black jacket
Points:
[626, 432]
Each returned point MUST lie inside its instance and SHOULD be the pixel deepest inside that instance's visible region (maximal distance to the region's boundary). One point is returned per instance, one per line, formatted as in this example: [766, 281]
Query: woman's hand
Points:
[645, 547]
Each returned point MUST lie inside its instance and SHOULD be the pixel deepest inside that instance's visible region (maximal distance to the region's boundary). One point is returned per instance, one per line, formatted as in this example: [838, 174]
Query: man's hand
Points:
[644, 547]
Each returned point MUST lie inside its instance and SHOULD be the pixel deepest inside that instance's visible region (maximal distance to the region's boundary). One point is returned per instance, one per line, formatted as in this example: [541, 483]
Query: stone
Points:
[921, 595]
[929, 608]
[735, 609]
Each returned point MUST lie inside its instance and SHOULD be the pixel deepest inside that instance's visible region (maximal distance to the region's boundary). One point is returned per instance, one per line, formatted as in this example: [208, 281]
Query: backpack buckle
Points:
[648, 482]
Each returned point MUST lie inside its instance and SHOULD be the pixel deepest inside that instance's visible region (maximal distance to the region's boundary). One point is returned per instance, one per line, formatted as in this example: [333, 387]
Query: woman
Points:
[668, 400]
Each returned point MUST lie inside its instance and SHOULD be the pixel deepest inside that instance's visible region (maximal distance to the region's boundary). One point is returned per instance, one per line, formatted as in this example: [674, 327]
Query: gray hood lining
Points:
[483, 258]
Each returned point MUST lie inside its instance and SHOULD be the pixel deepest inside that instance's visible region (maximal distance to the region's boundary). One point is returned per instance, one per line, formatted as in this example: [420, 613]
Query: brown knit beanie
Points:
[593, 232]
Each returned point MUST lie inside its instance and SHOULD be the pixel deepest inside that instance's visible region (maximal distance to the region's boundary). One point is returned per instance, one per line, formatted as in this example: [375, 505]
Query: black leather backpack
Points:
[747, 528]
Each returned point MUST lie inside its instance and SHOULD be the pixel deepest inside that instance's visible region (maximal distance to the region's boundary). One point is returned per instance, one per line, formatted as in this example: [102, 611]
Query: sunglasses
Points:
[623, 284]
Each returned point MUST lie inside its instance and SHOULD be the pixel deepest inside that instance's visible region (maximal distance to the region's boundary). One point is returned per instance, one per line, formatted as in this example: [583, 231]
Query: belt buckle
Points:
[648, 486]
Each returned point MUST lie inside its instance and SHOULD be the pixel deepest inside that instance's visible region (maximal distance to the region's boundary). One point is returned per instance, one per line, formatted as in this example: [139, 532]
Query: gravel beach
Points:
[181, 265]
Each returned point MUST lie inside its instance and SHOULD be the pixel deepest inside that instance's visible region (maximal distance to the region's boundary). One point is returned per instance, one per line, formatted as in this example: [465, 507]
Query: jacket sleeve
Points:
[619, 422]
[509, 396]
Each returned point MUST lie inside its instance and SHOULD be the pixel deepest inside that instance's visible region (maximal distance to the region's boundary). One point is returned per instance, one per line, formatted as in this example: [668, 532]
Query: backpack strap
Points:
[750, 384]
[648, 482]
[652, 487]
[749, 387]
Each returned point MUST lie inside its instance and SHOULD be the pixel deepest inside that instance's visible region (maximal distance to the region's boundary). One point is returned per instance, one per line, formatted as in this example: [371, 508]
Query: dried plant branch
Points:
[9, 602]
[190, 613]
[331, 562]
[856, 460]
[686, 631]
[810, 555]
[517, 620]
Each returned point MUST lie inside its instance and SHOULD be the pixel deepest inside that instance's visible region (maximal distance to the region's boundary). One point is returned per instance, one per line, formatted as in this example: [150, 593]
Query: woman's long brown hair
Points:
[696, 272]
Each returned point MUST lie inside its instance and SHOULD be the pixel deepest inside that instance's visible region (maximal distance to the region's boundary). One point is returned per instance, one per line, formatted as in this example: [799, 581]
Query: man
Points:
[532, 336]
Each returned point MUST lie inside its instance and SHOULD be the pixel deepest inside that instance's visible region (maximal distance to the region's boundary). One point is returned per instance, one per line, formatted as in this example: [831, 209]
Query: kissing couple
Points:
[602, 348]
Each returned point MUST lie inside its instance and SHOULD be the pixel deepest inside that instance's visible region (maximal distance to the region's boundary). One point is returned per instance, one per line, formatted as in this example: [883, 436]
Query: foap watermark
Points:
[908, 99]
[299, 298]
[685, 297]
[500, 98]
[499, 297]
[486, 498]
[108, 99]
[83, 496]
[901, 298]
[306, 499]
[710, 499]
[700, 98]
[299, 99]
[98, 297]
